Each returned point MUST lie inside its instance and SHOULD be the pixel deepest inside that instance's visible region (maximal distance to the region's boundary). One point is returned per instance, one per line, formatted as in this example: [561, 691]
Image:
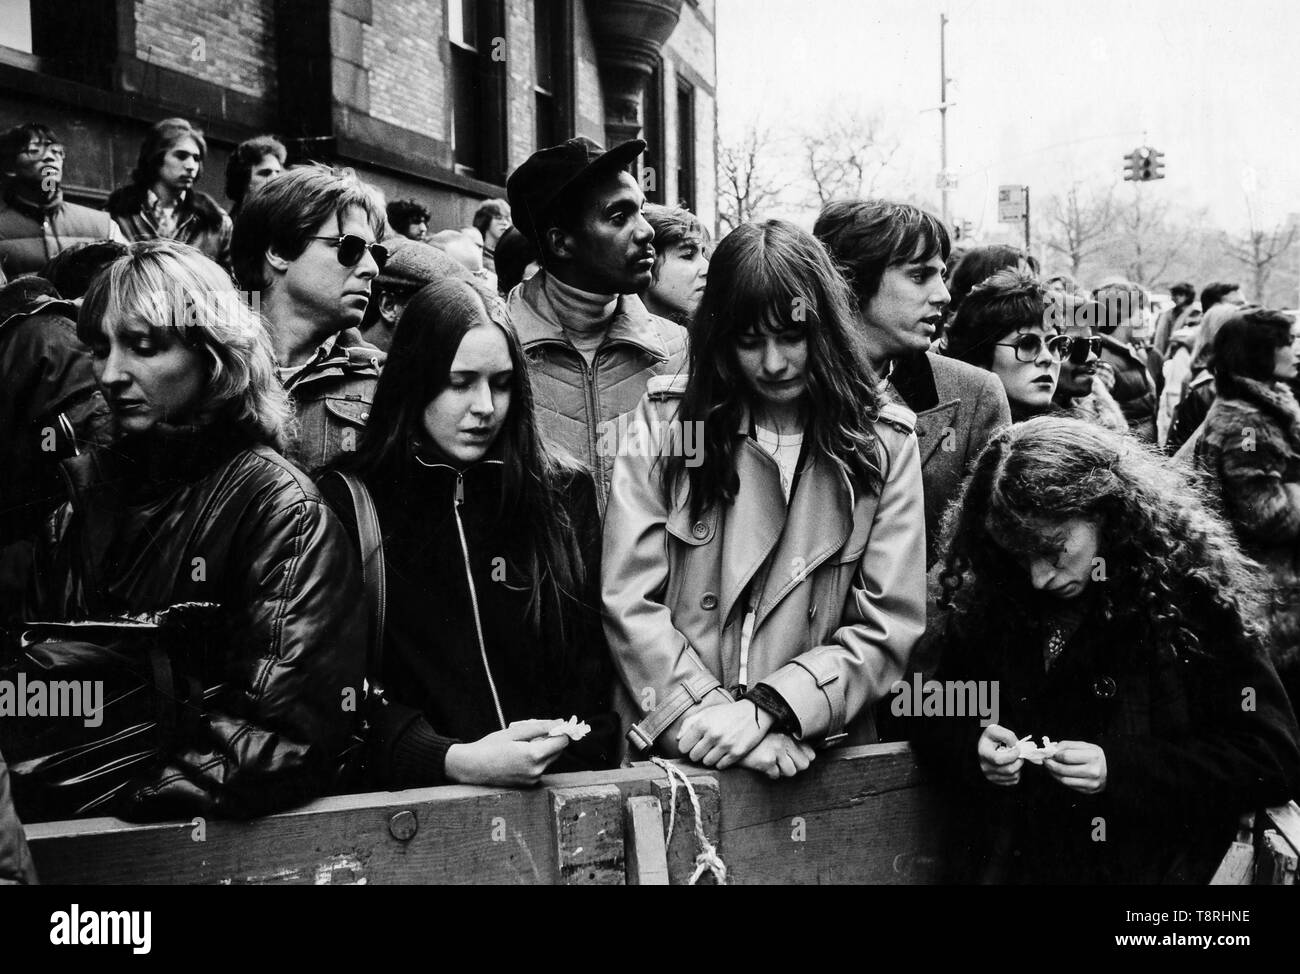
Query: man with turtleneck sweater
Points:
[591, 344]
[36, 223]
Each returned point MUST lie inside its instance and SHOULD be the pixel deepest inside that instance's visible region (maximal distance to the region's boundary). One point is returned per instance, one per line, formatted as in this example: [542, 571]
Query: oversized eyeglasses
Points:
[351, 248]
[37, 149]
[1029, 347]
[1080, 348]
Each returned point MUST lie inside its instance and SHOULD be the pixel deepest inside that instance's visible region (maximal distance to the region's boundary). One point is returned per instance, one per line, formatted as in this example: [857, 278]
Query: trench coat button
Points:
[365, 416]
[700, 529]
[1103, 687]
[709, 602]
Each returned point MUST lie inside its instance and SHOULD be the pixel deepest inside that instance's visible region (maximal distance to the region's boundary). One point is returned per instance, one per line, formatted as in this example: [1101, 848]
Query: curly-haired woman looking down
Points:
[1116, 616]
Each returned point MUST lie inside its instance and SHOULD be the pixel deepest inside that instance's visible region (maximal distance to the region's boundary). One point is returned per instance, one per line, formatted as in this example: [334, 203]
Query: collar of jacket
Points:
[45, 304]
[1129, 351]
[32, 209]
[912, 380]
[351, 355]
[758, 528]
[139, 467]
[631, 323]
[1274, 399]
[131, 202]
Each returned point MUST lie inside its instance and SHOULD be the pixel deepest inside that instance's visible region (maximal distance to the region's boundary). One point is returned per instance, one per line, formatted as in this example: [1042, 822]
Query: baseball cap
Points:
[547, 173]
[412, 264]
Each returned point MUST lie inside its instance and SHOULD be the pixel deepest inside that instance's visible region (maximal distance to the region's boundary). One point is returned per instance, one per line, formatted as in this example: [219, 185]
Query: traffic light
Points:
[1143, 165]
[962, 230]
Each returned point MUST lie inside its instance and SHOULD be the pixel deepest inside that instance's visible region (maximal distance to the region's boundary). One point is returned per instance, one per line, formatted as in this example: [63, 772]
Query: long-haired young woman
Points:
[1103, 607]
[764, 552]
[491, 548]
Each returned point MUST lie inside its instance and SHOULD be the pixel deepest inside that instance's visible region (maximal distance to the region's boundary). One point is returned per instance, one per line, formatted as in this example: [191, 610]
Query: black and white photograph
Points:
[782, 443]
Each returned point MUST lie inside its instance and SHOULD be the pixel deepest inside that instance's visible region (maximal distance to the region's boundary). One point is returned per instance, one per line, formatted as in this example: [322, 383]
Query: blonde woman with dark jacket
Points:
[764, 546]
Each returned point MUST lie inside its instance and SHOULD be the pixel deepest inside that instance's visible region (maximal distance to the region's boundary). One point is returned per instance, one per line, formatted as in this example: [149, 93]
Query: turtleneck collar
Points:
[578, 310]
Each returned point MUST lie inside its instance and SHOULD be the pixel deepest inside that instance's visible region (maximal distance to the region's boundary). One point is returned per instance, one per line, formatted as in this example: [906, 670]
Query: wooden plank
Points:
[866, 817]
[683, 845]
[643, 843]
[858, 815]
[1276, 864]
[1286, 820]
[462, 835]
[1237, 867]
[588, 829]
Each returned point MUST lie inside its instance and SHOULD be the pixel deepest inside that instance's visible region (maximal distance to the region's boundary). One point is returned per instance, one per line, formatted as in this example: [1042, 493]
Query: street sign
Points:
[945, 180]
[1011, 204]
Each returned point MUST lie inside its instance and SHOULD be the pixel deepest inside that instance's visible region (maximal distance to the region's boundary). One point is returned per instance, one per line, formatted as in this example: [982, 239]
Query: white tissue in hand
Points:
[1034, 754]
[573, 728]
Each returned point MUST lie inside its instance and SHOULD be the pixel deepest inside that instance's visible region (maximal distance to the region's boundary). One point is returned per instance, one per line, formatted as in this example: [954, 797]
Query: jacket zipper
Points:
[473, 597]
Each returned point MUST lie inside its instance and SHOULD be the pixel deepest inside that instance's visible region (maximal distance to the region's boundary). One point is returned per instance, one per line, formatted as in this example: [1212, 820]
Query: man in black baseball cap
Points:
[591, 343]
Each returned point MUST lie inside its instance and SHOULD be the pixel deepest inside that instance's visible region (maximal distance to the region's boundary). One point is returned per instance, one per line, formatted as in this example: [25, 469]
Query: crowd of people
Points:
[332, 503]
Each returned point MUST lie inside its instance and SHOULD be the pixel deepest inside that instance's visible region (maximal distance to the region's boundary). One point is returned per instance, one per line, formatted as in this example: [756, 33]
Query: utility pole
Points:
[943, 111]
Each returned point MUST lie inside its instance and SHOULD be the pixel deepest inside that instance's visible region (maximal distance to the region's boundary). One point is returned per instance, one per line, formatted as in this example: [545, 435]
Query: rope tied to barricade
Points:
[708, 858]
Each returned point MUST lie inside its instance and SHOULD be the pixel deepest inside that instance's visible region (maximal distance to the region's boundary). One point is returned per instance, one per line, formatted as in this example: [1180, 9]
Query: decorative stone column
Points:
[628, 35]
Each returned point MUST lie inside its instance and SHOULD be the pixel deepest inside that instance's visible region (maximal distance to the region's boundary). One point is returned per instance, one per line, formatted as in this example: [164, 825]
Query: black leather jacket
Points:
[207, 517]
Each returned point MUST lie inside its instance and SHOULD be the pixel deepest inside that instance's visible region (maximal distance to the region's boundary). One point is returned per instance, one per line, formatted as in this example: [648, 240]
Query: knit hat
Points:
[412, 264]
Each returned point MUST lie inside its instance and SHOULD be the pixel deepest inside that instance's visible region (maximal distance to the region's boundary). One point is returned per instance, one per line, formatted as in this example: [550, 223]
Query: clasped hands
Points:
[1078, 765]
[741, 733]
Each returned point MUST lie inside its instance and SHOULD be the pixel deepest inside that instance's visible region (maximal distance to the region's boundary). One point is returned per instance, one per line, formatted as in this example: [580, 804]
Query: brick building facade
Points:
[437, 99]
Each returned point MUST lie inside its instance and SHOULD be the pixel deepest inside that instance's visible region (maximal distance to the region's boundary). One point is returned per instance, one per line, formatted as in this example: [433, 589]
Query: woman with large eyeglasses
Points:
[1005, 325]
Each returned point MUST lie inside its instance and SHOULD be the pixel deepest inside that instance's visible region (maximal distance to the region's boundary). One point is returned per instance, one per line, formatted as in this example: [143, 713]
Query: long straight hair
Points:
[532, 512]
[776, 277]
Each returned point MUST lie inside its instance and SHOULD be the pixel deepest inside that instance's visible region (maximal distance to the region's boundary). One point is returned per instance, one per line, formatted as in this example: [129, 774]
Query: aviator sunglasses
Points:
[1029, 347]
[351, 247]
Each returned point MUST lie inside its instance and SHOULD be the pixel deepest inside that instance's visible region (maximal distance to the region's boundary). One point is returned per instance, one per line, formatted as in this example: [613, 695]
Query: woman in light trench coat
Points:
[764, 544]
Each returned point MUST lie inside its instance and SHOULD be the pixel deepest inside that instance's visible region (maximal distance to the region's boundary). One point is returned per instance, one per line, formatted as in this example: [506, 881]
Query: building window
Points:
[686, 145]
[551, 61]
[16, 25]
[476, 36]
[74, 39]
[652, 130]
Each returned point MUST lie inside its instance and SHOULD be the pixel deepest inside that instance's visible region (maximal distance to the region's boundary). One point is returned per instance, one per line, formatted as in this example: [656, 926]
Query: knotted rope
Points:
[708, 857]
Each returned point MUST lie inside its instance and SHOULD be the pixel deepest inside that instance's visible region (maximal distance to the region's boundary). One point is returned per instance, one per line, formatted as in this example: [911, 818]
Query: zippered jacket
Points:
[460, 659]
[205, 516]
[577, 404]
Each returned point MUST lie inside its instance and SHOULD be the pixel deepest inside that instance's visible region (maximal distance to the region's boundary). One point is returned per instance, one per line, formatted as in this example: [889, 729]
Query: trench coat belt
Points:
[687, 694]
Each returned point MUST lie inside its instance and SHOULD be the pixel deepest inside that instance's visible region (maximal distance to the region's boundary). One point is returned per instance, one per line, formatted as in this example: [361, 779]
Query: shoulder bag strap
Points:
[373, 575]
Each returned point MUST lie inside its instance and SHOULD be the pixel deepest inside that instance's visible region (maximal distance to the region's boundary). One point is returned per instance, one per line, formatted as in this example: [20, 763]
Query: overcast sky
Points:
[1045, 91]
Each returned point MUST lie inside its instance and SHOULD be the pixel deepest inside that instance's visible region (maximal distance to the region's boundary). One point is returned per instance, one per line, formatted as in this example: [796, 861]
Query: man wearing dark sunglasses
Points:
[306, 245]
[36, 223]
[1079, 390]
[1137, 367]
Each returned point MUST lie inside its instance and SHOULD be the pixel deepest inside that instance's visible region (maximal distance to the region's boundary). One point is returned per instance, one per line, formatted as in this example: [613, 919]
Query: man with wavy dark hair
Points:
[893, 255]
[305, 244]
[254, 163]
[161, 202]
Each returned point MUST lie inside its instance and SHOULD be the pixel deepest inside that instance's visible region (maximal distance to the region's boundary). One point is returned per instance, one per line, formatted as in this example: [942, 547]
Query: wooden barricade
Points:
[858, 815]
[1266, 850]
